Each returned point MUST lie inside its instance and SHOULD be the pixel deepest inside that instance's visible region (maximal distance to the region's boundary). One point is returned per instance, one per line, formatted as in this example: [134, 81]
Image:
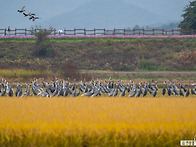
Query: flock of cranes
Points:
[31, 15]
[94, 89]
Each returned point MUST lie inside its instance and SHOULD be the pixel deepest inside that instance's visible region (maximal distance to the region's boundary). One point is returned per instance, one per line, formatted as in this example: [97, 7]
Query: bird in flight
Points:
[35, 18]
[25, 14]
[22, 10]
[31, 15]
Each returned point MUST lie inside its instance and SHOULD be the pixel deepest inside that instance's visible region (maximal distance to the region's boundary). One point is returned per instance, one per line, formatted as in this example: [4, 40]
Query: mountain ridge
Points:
[104, 14]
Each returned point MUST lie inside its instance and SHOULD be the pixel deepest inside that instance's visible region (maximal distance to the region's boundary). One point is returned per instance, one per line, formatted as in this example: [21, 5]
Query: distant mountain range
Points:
[104, 14]
[108, 14]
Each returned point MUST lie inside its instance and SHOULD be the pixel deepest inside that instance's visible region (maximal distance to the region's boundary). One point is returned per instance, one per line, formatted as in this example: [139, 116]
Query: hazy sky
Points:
[163, 11]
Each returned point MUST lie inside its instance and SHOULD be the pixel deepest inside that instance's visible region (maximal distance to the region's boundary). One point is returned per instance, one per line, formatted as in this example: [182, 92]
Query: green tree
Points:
[189, 17]
[43, 47]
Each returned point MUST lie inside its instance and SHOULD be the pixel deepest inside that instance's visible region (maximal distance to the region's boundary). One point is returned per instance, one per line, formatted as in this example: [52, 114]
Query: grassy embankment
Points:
[112, 54]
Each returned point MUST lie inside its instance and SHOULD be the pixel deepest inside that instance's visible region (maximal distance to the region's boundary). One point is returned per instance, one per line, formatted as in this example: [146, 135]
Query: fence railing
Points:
[95, 32]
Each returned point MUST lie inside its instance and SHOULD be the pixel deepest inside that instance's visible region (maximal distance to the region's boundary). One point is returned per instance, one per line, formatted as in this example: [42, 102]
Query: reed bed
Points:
[102, 121]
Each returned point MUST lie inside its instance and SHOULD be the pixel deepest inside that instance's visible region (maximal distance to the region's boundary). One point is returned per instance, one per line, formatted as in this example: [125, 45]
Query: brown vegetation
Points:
[105, 54]
[187, 60]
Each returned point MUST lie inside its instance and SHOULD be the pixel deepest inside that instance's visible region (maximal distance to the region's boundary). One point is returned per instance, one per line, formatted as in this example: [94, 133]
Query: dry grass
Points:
[23, 75]
[8, 73]
[96, 121]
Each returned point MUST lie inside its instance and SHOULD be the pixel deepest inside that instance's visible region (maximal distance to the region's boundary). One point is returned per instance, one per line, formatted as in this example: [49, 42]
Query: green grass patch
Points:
[17, 39]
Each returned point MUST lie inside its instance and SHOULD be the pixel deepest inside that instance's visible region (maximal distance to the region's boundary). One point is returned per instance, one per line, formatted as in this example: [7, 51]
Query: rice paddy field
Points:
[100, 121]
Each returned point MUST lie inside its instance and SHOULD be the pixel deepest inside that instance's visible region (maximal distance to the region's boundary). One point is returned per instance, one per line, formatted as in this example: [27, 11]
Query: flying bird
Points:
[31, 17]
[31, 14]
[34, 18]
[25, 14]
[22, 10]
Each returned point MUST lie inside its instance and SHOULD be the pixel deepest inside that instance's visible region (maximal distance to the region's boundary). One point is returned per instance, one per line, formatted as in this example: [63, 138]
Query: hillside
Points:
[104, 14]
[104, 54]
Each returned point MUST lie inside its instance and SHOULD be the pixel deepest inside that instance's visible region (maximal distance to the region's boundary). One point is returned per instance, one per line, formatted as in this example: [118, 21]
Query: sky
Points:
[91, 13]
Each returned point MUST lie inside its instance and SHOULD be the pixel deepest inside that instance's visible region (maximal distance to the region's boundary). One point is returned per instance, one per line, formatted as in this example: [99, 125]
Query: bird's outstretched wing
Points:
[23, 8]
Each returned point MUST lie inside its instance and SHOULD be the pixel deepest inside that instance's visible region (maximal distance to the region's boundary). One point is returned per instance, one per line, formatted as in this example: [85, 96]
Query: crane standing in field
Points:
[94, 89]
